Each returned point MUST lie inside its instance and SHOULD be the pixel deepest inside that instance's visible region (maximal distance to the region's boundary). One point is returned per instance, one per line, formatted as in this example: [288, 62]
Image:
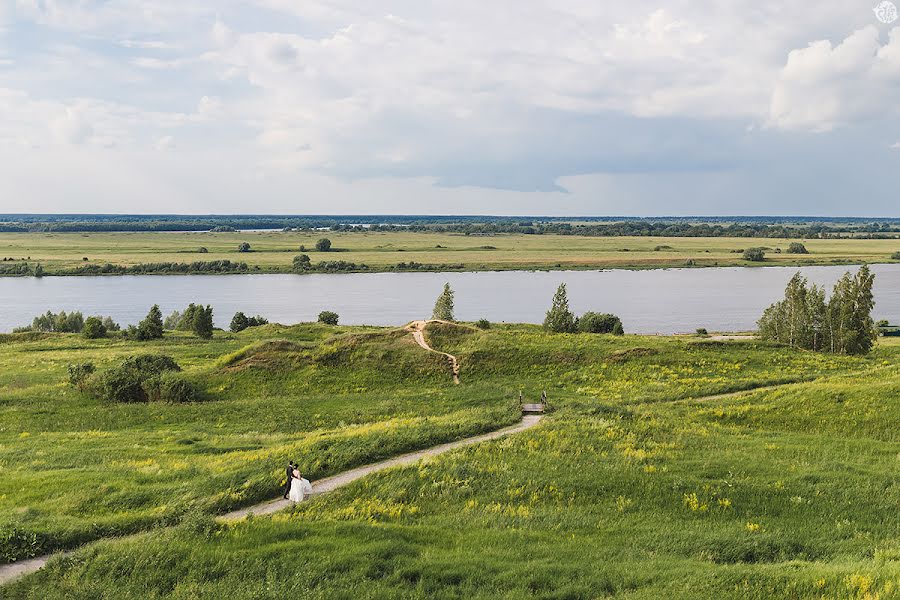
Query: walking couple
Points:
[296, 488]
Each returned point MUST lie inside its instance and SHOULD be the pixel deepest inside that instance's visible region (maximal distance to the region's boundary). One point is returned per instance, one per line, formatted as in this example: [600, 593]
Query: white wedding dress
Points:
[300, 489]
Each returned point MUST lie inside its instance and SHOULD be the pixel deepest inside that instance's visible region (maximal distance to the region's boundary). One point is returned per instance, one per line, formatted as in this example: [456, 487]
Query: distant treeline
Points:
[773, 227]
[208, 266]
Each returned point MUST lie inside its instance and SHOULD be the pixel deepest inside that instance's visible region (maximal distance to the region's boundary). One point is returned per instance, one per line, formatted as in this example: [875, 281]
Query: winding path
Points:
[12, 571]
[417, 328]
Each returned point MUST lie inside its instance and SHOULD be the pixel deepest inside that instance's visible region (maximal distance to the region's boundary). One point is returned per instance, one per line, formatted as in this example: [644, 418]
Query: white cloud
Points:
[823, 86]
[519, 96]
[72, 127]
[166, 142]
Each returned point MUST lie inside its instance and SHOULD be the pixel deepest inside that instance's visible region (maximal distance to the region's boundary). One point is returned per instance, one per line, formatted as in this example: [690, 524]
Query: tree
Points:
[443, 307]
[38, 270]
[203, 322]
[151, 328]
[93, 328]
[323, 245]
[797, 248]
[239, 322]
[843, 324]
[328, 317]
[244, 247]
[302, 263]
[186, 322]
[559, 318]
[754, 254]
[591, 322]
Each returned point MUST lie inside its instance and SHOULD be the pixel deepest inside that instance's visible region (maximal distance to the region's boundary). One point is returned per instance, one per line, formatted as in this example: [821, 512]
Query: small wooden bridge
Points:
[532, 409]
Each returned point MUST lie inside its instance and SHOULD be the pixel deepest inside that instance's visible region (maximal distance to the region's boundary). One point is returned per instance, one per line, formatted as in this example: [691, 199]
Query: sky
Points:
[533, 107]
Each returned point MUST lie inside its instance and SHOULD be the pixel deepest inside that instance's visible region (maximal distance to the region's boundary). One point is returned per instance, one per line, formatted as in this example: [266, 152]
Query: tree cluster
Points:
[240, 322]
[842, 324]
[560, 319]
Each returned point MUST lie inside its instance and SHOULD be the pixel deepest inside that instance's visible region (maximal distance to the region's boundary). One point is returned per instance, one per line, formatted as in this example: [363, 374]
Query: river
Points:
[653, 301]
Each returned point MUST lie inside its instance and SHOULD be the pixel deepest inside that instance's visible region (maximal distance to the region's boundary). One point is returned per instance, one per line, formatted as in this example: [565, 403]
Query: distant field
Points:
[274, 251]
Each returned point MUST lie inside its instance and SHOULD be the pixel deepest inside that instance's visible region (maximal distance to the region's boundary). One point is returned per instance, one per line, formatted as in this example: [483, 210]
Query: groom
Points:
[289, 470]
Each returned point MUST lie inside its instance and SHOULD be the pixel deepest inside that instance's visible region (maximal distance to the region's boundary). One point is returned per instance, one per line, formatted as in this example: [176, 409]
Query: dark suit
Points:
[289, 471]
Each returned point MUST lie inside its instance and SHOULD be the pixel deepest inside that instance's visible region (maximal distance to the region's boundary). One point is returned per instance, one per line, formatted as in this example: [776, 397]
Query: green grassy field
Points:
[274, 251]
[649, 478]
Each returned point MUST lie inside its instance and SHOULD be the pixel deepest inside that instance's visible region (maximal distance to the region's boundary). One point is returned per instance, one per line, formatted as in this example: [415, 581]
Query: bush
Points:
[169, 387]
[244, 247]
[895, 256]
[591, 322]
[797, 248]
[80, 373]
[133, 378]
[301, 263]
[239, 322]
[702, 331]
[202, 250]
[323, 245]
[93, 328]
[483, 324]
[754, 254]
[328, 317]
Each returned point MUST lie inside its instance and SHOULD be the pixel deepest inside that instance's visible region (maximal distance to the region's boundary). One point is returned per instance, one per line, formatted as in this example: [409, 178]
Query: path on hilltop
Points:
[417, 329]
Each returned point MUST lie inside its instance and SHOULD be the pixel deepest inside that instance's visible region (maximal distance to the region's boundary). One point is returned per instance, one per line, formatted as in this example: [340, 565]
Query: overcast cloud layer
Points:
[403, 106]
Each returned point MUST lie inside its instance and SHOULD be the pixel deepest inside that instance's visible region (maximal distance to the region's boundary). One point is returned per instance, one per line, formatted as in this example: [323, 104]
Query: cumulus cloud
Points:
[496, 96]
[72, 127]
[824, 86]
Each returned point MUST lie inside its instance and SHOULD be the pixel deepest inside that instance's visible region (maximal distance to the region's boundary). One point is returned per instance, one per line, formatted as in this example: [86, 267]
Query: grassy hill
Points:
[653, 476]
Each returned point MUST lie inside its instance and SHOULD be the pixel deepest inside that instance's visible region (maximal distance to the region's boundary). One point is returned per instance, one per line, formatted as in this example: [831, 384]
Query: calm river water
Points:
[653, 301]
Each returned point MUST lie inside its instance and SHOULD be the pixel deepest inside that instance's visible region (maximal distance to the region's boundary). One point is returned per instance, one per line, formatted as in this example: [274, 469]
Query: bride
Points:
[300, 488]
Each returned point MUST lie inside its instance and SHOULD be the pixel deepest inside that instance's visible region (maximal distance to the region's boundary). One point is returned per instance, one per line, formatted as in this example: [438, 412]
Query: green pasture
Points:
[667, 467]
[274, 251]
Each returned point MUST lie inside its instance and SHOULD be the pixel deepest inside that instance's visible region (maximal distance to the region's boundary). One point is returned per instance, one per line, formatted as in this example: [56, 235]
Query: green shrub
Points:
[126, 382]
[754, 254]
[895, 256]
[323, 245]
[301, 263]
[797, 248]
[702, 331]
[483, 324]
[591, 322]
[244, 247]
[328, 317]
[93, 328]
[79, 374]
[169, 387]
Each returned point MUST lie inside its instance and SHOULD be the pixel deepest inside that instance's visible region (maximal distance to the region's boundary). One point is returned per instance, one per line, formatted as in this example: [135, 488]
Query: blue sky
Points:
[564, 107]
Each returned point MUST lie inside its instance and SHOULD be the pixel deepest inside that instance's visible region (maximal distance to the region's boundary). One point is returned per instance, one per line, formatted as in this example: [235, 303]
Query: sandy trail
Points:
[21, 568]
[417, 328]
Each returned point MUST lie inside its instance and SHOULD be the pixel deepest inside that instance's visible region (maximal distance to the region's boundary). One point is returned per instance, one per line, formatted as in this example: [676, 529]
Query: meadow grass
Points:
[274, 251]
[636, 485]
